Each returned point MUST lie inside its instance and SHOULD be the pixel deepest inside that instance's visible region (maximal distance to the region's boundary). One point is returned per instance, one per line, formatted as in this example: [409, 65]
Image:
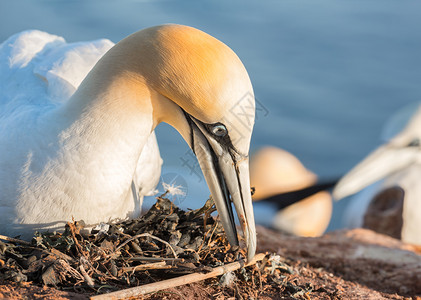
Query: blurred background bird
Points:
[389, 179]
[274, 172]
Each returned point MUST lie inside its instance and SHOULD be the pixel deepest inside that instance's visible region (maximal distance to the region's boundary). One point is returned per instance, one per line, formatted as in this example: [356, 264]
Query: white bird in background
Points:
[392, 204]
[275, 171]
[82, 145]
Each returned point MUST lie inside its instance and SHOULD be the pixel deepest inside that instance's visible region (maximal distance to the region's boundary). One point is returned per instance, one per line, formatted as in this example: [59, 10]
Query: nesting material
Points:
[166, 243]
[228, 279]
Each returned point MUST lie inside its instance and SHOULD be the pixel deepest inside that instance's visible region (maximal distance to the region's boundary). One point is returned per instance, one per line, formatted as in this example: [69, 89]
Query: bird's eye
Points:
[219, 130]
[414, 143]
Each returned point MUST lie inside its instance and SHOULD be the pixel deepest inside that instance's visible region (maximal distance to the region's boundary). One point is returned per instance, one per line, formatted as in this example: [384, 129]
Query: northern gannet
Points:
[392, 203]
[275, 171]
[89, 151]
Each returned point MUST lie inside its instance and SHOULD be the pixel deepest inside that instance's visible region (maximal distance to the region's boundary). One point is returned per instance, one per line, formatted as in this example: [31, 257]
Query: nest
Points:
[164, 243]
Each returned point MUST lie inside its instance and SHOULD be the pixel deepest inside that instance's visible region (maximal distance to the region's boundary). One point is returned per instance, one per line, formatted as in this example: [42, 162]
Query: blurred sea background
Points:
[327, 74]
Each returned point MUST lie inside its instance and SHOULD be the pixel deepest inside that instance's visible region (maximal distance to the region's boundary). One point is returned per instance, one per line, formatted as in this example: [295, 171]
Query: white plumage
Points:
[39, 72]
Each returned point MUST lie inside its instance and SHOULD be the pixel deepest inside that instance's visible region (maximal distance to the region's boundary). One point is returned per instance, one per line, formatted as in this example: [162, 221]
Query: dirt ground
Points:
[356, 264]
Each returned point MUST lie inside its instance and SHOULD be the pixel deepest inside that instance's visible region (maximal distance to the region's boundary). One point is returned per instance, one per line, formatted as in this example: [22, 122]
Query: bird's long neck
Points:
[111, 110]
[126, 83]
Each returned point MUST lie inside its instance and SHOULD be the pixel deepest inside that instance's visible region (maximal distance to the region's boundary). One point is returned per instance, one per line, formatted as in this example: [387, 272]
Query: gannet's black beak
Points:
[227, 175]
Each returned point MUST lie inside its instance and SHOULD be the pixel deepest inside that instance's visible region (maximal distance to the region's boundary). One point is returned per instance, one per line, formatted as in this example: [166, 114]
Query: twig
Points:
[86, 276]
[151, 266]
[213, 231]
[148, 235]
[9, 239]
[170, 283]
[146, 258]
[72, 229]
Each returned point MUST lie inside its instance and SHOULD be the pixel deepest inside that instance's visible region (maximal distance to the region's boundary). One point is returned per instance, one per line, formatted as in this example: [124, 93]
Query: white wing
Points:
[40, 68]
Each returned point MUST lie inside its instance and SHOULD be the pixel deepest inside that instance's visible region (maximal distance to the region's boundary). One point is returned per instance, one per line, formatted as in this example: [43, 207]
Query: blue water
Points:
[326, 73]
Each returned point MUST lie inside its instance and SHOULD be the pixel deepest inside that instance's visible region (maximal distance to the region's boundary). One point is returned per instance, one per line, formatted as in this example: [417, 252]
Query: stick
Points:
[147, 258]
[9, 239]
[170, 283]
[88, 279]
[151, 266]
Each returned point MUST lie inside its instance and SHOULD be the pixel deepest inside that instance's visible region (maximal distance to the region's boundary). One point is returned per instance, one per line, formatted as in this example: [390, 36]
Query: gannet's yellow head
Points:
[204, 91]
